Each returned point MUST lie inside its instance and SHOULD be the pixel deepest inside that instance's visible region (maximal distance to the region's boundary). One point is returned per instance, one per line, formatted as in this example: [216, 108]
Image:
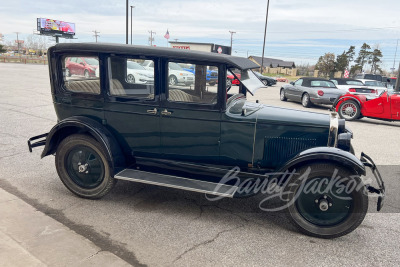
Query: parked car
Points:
[379, 87]
[375, 77]
[177, 74]
[265, 79]
[231, 79]
[83, 66]
[354, 86]
[192, 139]
[385, 107]
[310, 91]
[211, 78]
[136, 73]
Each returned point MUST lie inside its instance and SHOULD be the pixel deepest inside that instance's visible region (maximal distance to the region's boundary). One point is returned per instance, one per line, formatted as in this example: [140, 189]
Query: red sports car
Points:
[230, 79]
[386, 106]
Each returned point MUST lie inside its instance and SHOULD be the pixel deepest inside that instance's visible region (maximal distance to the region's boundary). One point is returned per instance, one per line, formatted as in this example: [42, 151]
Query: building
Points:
[205, 47]
[276, 66]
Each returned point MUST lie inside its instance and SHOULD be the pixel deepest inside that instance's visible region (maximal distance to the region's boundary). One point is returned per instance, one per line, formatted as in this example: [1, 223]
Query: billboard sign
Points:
[220, 49]
[55, 27]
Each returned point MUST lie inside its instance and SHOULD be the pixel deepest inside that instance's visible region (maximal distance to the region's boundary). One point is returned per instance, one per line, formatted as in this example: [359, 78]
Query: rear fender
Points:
[326, 154]
[84, 125]
[344, 98]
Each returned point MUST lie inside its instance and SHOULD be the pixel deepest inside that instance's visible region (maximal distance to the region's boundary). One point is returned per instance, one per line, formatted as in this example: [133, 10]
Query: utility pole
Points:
[127, 6]
[96, 34]
[18, 43]
[131, 22]
[231, 32]
[395, 54]
[151, 39]
[265, 34]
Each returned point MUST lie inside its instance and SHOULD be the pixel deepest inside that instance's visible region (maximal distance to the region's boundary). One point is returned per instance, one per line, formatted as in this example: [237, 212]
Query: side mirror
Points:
[292, 83]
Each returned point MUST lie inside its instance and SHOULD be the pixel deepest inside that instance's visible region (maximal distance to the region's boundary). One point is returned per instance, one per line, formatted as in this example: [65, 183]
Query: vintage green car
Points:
[198, 137]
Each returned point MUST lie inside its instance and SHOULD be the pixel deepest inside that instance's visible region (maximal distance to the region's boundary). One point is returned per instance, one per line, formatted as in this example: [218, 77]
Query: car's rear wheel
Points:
[83, 167]
[228, 83]
[87, 76]
[325, 205]
[305, 100]
[349, 110]
[282, 95]
[130, 78]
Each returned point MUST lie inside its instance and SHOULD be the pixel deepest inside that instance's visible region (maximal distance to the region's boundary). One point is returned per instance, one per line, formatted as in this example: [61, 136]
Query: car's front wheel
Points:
[326, 200]
[87, 75]
[305, 100]
[349, 110]
[83, 167]
[172, 80]
[282, 95]
[130, 78]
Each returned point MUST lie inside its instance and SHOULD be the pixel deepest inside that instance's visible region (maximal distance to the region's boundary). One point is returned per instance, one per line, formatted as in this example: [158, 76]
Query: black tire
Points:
[90, 178]
[326, 215]
[212, 83]
[349, 110]
[67, 72]
[228, 83]
[172, 80]
[306, 101]
[130, 78]
[86, 74]
[282, 95]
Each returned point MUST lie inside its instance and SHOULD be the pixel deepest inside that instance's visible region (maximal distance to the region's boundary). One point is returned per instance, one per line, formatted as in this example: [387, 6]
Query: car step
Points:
[177, 182]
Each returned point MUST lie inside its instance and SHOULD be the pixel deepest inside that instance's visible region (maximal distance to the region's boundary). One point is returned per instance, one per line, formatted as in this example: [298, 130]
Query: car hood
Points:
[276, 115]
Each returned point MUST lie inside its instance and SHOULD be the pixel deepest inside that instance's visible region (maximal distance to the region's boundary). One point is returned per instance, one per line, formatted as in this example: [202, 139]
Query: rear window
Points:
[354, 83]
[323, 84]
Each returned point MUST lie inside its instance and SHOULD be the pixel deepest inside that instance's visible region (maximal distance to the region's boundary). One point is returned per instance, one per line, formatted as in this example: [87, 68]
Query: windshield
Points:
[134, 65]
[354, 83]
[327, 84]
[374, 83]
[91, 61]
[250, 81]
[174, 66]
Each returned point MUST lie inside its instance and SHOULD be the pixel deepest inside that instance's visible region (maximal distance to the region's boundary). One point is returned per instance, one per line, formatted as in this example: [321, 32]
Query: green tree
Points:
[326, 64]
[2, 49]
[342, 61]
[364, 55]
[351, 54]
[375, 59]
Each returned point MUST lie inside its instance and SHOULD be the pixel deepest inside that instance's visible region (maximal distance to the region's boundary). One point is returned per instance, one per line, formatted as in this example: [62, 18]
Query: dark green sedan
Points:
[200, 137]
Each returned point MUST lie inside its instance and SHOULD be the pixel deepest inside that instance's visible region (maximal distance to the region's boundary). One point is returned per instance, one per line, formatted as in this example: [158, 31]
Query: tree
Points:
[326, 64]
[375, 59]
[364, 55]
[2, 49]
[350, 54]
[342, 61]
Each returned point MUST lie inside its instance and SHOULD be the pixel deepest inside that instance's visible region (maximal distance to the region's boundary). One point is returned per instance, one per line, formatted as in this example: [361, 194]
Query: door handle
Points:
[152, 111]
[165, 112]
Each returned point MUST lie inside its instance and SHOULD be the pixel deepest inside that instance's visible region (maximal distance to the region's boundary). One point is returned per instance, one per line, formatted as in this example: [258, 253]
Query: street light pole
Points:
[231, 32]
[127, 6]
[18, 43]
[131, 22]
[265, 34]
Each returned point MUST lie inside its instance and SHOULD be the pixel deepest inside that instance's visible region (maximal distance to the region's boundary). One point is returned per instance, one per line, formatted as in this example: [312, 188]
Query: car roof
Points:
[367, 80]
[165, 52]
[314, 79]
[345, 79]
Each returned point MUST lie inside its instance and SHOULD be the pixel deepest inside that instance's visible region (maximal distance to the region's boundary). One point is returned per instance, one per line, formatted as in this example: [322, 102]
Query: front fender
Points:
[80, 124]
[330, 154]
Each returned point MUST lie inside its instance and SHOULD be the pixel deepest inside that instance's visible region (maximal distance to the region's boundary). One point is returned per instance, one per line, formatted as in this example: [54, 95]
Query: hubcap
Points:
[282, 95]
[84, 167]
[325, 206]
[349, 110]
[305, 100]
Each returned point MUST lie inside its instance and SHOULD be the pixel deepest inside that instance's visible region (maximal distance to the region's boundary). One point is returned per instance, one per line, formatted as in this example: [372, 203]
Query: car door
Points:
[377, 107]
[191, 118]
[395, 105]
[290, 89]
[298, 89]
[132, 109]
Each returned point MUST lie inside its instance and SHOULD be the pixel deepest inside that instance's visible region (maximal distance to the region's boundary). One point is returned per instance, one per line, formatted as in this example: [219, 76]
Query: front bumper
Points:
[40, 141]
[368, 162]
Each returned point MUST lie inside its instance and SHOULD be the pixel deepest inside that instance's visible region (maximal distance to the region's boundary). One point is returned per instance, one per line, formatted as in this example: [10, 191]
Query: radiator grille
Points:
[280, 149]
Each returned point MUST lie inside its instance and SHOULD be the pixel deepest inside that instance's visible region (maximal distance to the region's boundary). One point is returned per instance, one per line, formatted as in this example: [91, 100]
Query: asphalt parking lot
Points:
[155, 226]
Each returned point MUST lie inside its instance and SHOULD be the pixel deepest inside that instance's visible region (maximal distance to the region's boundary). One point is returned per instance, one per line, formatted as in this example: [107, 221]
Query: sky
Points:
[298, 30]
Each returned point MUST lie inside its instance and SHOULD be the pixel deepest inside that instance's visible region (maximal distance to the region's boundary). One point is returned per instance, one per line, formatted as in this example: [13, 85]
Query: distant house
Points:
[273, 63]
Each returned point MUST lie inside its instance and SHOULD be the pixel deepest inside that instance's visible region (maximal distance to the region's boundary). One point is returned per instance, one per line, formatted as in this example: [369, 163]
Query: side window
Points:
[129, 77]
[192, 83]
[81, 74]
[335, 82]
[299, 82]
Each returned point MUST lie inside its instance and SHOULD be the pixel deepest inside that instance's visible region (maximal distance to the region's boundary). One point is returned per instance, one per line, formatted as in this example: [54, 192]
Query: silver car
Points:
[310, 91]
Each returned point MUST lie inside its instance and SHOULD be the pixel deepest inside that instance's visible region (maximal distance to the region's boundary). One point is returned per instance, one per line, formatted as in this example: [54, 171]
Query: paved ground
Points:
[149, 225]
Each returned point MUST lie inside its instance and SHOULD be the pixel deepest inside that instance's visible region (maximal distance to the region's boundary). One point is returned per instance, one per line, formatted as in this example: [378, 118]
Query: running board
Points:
[177, 182]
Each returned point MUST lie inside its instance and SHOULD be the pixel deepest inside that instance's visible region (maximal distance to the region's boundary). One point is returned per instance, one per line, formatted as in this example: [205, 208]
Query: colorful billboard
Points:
[52, 27]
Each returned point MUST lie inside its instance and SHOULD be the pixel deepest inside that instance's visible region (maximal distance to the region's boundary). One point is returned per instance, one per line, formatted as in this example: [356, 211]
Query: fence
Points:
[23, 60]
